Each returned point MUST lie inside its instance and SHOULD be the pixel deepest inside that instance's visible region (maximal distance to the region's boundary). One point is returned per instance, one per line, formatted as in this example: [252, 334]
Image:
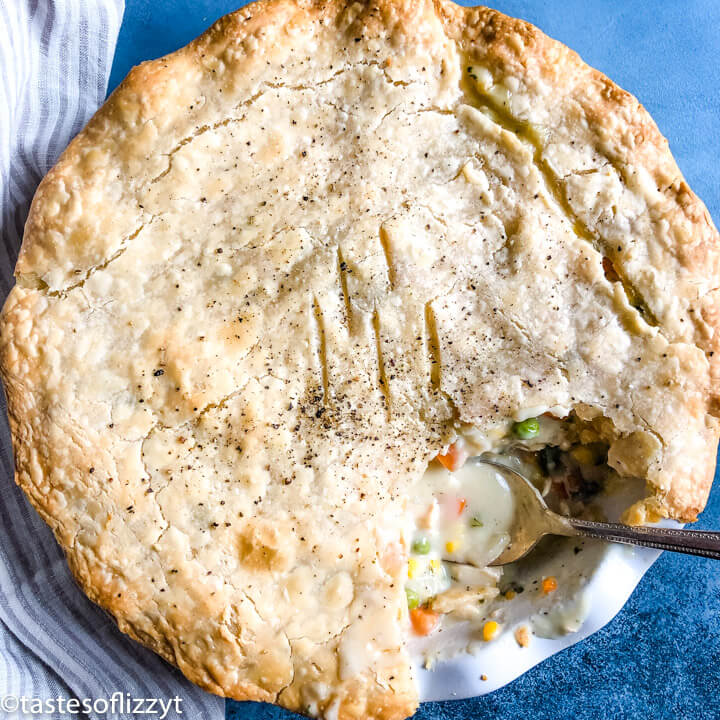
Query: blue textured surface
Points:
[660, 657]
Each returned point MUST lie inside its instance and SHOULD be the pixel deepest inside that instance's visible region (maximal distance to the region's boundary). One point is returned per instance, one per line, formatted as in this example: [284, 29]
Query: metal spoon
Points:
[533, 519]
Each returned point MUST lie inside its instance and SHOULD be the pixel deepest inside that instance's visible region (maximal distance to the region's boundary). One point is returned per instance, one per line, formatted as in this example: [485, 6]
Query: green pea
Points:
[527, 429]
[413, 599]
[421, 545]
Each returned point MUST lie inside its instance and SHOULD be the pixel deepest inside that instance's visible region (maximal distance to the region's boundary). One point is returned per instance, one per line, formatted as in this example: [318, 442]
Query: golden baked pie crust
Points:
[261, 288]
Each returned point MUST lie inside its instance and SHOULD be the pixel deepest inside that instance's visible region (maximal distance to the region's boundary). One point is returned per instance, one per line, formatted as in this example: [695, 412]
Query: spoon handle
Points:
[690, 542]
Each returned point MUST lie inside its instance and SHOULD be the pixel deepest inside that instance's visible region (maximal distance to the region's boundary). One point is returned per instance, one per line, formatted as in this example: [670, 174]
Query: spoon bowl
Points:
[533, 519]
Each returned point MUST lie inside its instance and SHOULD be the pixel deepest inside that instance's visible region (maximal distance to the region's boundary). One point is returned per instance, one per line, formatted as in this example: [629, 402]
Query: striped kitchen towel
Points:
[55, 645]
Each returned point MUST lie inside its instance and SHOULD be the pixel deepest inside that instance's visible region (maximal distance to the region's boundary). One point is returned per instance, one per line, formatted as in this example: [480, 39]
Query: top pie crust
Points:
[260, 290]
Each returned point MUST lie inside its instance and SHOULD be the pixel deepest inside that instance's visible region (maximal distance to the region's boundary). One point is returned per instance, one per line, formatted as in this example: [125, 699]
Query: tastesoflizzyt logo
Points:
[118, 704]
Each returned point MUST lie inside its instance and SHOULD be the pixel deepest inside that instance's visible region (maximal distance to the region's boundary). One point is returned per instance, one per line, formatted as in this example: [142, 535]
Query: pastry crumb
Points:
[522, 636]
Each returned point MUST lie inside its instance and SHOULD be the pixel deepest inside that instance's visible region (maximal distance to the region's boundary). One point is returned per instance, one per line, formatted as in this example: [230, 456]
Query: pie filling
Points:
[462, 511]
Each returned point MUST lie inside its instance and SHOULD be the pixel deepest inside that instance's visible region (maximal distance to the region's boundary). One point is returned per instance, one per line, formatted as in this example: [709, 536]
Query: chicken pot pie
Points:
[285, 268]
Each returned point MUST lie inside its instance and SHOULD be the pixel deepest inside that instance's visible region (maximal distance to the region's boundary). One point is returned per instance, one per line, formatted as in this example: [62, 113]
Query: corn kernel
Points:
[490, 630]
[451, 546]
[412, 567]
[510, 594]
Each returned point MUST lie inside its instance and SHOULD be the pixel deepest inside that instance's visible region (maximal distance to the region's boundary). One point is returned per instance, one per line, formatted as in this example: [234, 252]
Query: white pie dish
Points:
[597, 583]
[503, 660]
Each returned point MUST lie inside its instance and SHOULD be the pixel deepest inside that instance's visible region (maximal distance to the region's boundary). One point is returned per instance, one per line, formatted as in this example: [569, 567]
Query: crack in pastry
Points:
[312, 261]
[525, 132]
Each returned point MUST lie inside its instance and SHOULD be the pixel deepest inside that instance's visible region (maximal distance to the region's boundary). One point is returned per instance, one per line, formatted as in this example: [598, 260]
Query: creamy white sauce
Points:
[461, 516]
[523, 600]
[563, 617]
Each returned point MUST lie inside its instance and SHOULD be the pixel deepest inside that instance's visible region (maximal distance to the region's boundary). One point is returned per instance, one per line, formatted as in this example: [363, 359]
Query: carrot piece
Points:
[460, 505]
[424, 620]
[549, 584]
[446, 461]
[454, 458]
